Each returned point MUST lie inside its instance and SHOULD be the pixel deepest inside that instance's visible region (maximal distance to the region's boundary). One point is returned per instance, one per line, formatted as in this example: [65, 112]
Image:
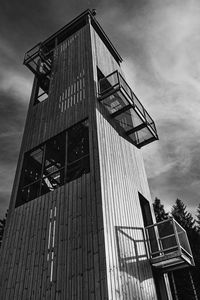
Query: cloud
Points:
[6, 50]
[12, 116]
[15, 84]
[6, 182]
[10, 142]
[14, 80]
[12, 113]
[161, 45]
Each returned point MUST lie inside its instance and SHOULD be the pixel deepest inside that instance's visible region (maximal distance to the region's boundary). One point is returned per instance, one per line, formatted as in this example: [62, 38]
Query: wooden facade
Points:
[84, 240]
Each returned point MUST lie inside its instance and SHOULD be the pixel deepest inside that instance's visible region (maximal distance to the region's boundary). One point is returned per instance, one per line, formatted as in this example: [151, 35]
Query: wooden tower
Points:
[80, 200]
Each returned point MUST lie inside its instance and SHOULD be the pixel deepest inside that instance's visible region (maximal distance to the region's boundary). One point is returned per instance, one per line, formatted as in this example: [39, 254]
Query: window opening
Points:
[45, 168]
[44, 68]
[54, 163]
[100, 75]
[146, 210]
[103, 82]
[148, 220]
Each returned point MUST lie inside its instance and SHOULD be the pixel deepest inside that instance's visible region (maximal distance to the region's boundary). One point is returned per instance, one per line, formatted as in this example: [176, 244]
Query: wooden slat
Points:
[98, 220]
[122, 176]
[45, 238]
[25, 229]
[15, 248]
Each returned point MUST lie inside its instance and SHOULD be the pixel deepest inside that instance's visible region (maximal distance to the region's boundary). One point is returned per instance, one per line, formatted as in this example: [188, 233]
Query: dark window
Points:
[43, 77]
[45, 168]
[146, 210]
[100, 75]
[148, 220]
[54, 163]
[103, 82]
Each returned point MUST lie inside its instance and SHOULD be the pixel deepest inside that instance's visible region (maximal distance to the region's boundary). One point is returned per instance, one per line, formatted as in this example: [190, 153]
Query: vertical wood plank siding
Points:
[67, 101]
[84, 240]
[122, 177]
[61, 256]
[26, 272]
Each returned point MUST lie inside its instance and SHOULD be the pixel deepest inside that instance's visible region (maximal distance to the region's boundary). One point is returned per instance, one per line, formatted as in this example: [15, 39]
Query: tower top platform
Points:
[76, 24]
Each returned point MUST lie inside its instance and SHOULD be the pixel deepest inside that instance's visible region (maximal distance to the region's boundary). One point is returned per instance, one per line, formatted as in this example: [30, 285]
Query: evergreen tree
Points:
[187, 280]
[159, 210]
[198, 219]
[183, 217]
[2, 227]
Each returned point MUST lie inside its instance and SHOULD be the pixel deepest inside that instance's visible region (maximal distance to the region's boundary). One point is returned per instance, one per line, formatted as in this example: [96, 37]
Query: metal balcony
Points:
[39, 61]
[125, 108]
[168, 245]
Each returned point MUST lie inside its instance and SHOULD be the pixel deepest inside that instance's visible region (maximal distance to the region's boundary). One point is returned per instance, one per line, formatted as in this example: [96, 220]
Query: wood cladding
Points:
[67, 89]
[68, 100]
[122, 174]
[54, 250]
[66, 261]
[85, 239]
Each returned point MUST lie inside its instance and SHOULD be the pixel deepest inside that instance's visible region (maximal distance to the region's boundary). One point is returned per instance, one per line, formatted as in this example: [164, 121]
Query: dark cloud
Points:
[12, 118]
[10, 144]
[21, 23]
[12, 114]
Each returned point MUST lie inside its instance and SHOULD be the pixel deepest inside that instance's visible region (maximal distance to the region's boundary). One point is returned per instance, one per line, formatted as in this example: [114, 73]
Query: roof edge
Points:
[77, 23]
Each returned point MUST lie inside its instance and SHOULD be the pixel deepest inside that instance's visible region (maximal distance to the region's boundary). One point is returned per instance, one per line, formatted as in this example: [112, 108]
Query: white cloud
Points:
[6, 49]
[6, 178]
[15, 84]
[164, 71]
[13, 81]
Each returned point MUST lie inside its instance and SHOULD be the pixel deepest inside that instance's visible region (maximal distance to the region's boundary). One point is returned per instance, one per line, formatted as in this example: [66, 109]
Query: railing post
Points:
[193, 286]
[144, 112]
[146, 244]
[118, 79]
[176, 235]
[189, 247]
[98, 86]
[132, 98]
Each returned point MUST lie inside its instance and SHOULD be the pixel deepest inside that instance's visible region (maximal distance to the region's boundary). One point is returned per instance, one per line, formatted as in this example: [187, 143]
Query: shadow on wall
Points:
[132, 253]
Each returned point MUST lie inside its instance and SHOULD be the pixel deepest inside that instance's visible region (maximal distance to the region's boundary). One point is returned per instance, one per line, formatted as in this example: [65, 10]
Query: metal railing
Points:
[38, 59]
[113, 83]
[166, 237]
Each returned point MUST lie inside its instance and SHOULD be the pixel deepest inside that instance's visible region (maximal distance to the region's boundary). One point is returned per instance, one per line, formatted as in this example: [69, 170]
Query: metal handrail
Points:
[156, 224]
[189, 254]
[131, 96]
[175, 234]
[164, 250]
[30, 55]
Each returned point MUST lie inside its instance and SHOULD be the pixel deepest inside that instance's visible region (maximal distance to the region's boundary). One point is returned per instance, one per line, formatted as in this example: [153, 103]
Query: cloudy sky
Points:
[160, 44]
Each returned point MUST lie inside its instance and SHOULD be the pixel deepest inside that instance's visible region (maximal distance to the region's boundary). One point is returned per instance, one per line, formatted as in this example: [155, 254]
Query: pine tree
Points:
[2, 227]
[198, 219]
[187, 280]
[183, 217]
[159, 210]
